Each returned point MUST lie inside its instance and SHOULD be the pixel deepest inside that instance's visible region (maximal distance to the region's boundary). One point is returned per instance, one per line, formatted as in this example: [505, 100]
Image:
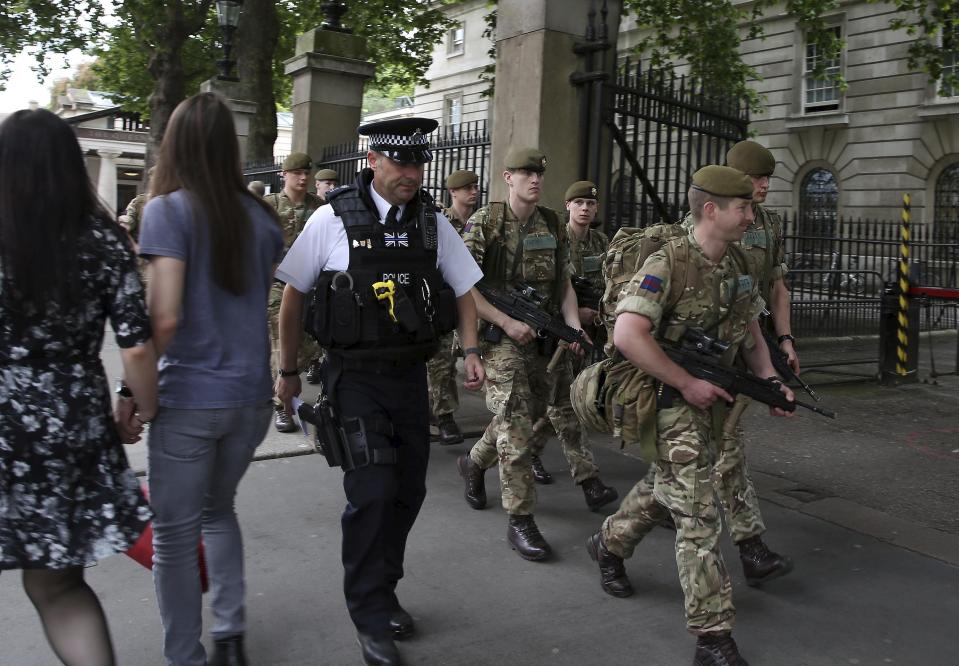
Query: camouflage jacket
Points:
[457, 223]
[764, 248]
[134, 212]
[510, 252]
[717, 297]
[586, 256]
[292, 217]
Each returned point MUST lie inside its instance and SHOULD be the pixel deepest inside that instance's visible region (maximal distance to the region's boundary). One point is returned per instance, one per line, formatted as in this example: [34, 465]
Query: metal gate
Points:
[646, 131]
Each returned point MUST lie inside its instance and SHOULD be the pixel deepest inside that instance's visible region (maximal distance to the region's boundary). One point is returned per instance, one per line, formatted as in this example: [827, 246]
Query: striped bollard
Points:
[902, 355]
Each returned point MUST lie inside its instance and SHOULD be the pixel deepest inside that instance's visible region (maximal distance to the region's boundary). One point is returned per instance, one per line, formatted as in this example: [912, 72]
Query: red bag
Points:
[142, 551]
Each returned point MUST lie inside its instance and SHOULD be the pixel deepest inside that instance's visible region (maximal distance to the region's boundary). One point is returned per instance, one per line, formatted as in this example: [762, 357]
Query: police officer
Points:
[520, 241]
[294, 205]
[396, 275]
[441, 369]
[718, 296]
[325, 180]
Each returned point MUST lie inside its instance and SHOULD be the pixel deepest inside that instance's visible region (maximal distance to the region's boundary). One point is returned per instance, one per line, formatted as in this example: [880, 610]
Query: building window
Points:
[821, 94]
[818, 203]
[453, 112]
[946, 213]
[950, 61]
[456, 39]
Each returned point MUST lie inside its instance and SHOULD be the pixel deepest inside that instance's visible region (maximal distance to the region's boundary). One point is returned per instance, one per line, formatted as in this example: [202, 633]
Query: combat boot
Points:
[612, 572]
[597, 494]
[475, 478]
[717, 650]
[540, 475]
[524, 537]
[449, 431]
[283, 421]
[761, 564]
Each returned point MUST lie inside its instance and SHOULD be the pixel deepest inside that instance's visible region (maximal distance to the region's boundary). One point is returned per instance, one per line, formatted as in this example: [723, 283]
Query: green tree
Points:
[83, 76]
[934, 25]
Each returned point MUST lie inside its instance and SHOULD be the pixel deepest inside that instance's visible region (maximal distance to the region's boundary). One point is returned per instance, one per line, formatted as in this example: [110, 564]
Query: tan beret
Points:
[530, 159]
[296, 161]
[581, 189]
[723, 181]
[461, 178]
[751, 158]
[327, 174]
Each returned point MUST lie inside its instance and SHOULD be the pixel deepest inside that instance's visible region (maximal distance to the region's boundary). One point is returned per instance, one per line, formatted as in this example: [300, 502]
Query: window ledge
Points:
[938, 109]
[828, 119]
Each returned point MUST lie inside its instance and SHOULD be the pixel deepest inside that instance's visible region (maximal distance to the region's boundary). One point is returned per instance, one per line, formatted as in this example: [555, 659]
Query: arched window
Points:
[946, 221]
[818, 203]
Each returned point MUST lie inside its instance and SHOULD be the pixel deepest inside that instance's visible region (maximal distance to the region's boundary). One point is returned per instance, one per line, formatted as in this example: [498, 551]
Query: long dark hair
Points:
[46, 203]
[200, 154]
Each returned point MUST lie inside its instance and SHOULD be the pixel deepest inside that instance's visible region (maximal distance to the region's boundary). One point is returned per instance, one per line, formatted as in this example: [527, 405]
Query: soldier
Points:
[520, 241]
[294, 205]
[385, 227]
[586, 249]
[326, 180]
[130, 220]
[257, 187]
[441, 368]
[716, 294]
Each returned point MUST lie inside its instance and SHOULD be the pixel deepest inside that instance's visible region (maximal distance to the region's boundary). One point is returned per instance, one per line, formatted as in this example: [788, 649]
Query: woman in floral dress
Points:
[67, 495]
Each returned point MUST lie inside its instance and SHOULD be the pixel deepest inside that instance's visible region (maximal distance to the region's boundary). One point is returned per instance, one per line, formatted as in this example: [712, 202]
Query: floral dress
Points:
[67, 494]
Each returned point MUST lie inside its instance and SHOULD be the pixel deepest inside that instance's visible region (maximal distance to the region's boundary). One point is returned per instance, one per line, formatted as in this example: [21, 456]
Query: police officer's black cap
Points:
[401, 139]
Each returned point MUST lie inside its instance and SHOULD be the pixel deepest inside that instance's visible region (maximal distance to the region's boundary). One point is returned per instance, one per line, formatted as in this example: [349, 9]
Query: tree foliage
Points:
[45, 27]
[934, 25]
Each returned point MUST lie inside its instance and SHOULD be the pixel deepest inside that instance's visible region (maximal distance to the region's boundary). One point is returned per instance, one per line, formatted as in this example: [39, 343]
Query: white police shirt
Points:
[323, 246]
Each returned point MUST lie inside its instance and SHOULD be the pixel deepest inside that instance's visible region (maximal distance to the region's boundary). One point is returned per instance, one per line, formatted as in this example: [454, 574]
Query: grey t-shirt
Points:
[219, 355]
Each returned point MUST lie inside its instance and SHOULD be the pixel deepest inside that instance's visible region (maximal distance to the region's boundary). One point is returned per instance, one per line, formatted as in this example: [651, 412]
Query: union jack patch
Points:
[467, 227]
[396, 240]
[651, 283]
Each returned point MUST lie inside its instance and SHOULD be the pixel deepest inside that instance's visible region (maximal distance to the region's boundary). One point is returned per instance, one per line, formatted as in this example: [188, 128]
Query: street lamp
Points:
[228, 16]
[334, 10]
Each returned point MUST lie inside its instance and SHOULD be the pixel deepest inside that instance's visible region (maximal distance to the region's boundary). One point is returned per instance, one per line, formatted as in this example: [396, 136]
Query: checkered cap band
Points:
[415, 140]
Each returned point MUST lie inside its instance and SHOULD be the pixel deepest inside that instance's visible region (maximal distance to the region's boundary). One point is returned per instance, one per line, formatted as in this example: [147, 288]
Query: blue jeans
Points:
[197, 458]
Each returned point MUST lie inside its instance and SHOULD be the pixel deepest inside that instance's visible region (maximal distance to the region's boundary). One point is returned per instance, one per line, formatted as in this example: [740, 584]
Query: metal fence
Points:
[839, 267]
[463, 146]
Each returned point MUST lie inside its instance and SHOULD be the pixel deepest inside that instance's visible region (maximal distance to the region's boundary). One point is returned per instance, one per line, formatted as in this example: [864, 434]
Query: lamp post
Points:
[334, 10]
[228, 16]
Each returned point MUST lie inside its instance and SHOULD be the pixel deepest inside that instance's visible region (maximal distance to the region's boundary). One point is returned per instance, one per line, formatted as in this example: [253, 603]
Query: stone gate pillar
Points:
[534, 103]
[329, 70]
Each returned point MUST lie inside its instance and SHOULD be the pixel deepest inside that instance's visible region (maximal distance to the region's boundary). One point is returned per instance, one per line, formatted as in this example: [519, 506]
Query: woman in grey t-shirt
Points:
[212, 247]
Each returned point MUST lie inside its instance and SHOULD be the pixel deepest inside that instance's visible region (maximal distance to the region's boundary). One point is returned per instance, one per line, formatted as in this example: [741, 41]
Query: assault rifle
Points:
[781, 362]
[587, 295]
[525, 304]
[698, 354]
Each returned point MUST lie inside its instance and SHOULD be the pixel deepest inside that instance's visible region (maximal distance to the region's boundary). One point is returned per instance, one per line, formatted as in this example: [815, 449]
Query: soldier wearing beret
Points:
[130, 220]
[294, 205]
[714, 292]
[463, 188]
[519, 241]
[764, 249]
[326, 180]
[390, 276]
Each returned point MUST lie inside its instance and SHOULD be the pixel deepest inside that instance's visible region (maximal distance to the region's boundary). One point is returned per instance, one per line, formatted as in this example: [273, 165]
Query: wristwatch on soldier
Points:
[473, 350]
[785, 336]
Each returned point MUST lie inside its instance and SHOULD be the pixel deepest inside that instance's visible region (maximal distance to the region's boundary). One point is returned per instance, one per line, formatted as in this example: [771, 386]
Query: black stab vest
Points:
[345, 315]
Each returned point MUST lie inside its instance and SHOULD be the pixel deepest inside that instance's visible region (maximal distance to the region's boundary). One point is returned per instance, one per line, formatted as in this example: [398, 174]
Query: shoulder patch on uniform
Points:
[467, 227]
[652, 284]
[755, 238]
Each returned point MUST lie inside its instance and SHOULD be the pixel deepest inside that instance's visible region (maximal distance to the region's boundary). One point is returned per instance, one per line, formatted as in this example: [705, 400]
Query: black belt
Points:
[381, 366]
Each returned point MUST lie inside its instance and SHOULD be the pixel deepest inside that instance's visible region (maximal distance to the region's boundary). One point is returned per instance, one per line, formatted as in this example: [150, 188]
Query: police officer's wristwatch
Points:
[473, 350]
[289, 373]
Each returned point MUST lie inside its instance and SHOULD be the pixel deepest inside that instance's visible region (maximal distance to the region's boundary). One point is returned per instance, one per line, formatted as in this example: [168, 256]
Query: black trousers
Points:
[382, 500]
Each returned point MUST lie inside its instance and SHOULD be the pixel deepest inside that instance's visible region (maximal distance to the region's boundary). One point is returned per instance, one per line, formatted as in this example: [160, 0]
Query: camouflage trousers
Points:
[735, 489]
[441, 376]
[518, 392]
[682, 482]
[308, 350]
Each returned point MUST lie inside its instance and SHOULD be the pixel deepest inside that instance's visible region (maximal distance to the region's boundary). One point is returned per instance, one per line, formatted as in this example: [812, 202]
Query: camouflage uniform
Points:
[292, 220]
[517, 386]
[441, 367]
[586, 259]
[682, 480]
[134, 211]
[764, 249]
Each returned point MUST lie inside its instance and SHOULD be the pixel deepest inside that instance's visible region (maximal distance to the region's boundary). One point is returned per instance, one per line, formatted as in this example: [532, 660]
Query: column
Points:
[237, 98]
[107, 179]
